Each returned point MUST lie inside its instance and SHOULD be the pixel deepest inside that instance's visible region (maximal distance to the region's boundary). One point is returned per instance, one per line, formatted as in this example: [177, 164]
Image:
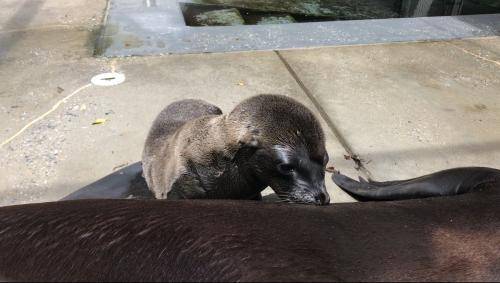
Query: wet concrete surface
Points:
[410, 109]
[41, 14]
[447, 90]
[45, 53]
[64, 151]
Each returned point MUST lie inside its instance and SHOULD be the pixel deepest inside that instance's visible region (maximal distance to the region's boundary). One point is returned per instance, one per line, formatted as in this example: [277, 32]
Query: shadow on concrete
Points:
[23, 16]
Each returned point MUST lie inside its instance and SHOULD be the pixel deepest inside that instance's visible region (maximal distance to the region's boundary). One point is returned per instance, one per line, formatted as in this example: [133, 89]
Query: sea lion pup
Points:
[435, 239]
[443, 183]
[129, 182]
[267, 140]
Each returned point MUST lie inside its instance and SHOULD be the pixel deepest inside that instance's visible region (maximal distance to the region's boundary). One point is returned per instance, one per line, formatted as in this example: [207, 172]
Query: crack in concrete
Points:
[347, 147]
[474, 54]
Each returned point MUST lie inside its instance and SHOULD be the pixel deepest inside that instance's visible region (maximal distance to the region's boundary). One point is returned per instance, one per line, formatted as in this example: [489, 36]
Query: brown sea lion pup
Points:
[449, 238]
[193, 151]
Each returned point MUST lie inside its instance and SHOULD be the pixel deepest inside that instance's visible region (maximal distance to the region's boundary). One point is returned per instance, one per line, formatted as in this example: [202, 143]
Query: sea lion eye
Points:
[285, 168]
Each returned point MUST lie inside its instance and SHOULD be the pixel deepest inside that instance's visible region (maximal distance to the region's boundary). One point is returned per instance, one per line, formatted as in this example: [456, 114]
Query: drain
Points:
[108, 79]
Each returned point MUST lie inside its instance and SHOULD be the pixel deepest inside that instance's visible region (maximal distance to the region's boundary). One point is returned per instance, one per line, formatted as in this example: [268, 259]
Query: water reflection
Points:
[249, 12]
[423, 8]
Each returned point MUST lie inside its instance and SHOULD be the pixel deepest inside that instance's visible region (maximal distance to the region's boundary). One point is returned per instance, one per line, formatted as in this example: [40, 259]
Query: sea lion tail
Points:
[443, 183]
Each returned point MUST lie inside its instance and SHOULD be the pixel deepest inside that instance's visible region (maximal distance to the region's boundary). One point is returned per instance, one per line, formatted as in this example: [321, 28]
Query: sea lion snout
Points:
[298, 176]
[323, 198]
[310, 193]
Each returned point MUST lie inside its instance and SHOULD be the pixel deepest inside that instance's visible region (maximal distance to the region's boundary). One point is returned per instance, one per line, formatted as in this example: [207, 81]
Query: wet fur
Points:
[207, 154]
[434, 239]
[162, 159]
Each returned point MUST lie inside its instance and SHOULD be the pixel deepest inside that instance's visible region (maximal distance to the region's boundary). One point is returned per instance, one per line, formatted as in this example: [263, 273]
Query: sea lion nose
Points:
[322, 199]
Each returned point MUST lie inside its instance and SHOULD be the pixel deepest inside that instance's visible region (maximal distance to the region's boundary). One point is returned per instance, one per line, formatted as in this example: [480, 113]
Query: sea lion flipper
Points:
[345, 182]
[443, 183]
[124, 183]
[362, 180]
[388, 183]
[392, 190]
[358, 190]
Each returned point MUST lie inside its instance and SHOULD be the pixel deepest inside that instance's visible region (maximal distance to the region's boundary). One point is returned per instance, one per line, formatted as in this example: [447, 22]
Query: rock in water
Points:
[224, 17]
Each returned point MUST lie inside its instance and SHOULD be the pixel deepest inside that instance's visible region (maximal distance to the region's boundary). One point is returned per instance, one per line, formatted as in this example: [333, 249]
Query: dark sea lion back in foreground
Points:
[449, 182]
[435, 239]
[267, 140]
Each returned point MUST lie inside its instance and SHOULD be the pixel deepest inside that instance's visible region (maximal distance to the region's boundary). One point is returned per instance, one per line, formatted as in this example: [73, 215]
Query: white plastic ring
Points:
[108, 79]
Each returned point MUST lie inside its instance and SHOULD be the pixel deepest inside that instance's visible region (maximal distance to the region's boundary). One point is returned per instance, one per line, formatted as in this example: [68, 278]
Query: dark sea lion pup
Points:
[194, 151]
[449, 182]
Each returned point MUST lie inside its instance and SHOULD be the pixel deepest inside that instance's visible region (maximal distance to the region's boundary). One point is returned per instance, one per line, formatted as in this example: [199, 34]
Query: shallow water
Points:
[251, 12]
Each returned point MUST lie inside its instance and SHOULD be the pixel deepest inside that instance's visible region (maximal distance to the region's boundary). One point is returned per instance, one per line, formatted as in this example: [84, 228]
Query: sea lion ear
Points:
[250, 139]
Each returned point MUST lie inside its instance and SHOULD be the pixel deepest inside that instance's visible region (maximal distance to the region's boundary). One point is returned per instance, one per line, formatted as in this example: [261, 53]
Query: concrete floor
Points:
[406, 109]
